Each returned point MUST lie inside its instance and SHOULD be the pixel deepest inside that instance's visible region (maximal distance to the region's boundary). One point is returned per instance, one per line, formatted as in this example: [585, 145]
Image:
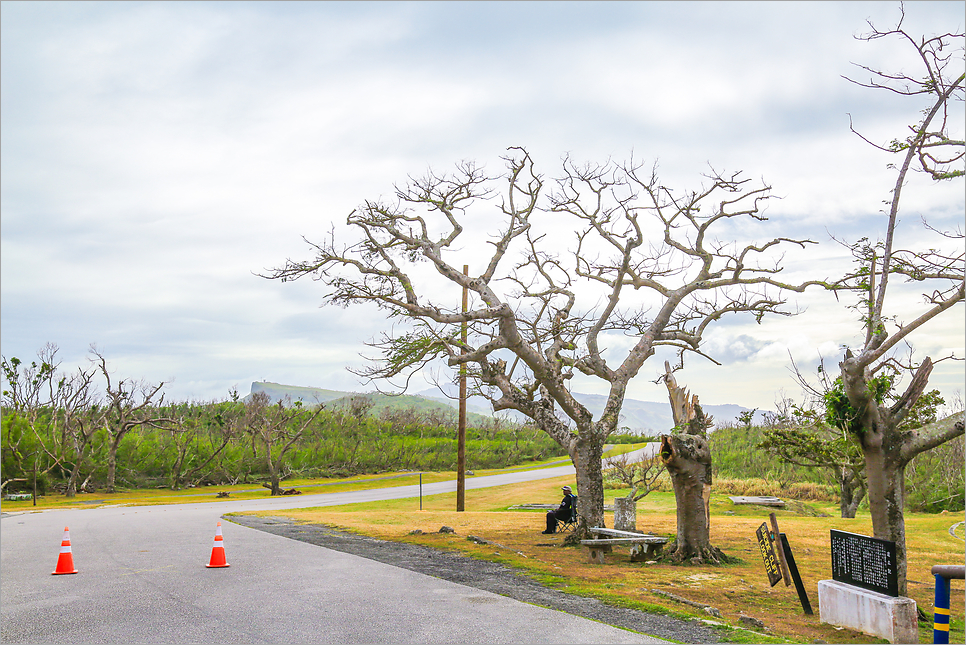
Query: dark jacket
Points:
[566, 508]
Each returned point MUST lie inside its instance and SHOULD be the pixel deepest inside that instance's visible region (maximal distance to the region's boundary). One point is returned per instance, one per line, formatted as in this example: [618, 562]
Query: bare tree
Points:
[639, 476]
[643, 263]
[58, 409]
[277, 429]
[194, 425]
[128, 405]
[27, 401]
[932, 148]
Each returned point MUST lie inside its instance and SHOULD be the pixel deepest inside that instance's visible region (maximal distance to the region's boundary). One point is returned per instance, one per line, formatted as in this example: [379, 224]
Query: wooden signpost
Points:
[783, 565]
[799, 585]
[767, 548]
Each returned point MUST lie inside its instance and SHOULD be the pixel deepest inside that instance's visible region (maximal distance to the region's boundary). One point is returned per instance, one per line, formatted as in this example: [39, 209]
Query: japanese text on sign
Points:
[864, 562]
[767, 549]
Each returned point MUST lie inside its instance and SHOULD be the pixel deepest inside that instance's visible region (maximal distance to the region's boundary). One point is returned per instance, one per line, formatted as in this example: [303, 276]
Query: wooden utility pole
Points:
[461, 431]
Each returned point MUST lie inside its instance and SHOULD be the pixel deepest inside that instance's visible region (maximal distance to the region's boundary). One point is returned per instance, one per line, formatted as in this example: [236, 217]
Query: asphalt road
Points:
[142, 579]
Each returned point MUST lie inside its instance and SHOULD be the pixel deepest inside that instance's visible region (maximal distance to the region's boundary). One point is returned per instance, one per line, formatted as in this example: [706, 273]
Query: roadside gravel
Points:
[480, 574]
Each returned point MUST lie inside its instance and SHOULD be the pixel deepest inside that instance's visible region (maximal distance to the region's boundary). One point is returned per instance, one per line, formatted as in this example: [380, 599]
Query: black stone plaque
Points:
[865, 562]
[767, 548]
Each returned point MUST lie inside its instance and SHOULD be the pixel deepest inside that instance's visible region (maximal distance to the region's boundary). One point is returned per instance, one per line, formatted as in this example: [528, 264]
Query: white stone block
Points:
[868, 612]
[625, 514]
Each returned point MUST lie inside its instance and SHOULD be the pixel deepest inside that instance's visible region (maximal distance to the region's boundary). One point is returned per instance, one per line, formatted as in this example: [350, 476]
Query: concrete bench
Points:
[19, 496]
[642, 545]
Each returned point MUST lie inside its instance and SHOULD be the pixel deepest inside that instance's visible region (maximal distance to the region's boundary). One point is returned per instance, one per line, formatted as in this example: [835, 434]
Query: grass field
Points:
[733, 589]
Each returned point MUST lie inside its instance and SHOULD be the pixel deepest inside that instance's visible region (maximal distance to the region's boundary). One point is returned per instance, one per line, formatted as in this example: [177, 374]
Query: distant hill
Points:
[335, 399]
[307, 395]
[643, 417]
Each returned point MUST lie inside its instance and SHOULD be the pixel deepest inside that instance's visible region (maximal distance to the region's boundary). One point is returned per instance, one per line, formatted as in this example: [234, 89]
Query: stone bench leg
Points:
[596, 553]
[642, 552]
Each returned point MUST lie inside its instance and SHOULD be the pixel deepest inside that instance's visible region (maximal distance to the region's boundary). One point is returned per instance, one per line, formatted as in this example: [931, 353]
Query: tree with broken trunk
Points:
[933, 146]
[687, 457]
[643, 262]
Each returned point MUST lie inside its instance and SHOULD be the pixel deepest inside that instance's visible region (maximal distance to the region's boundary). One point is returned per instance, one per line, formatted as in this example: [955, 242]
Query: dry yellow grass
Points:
[733, 589]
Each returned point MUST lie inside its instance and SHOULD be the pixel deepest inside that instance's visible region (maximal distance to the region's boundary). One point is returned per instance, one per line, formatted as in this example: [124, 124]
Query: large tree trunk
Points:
[887, 449]
[273, 474]
[74, 471]
[590, 486]
[688, 461]
[111, 466]
[887, 482]
[72, 480]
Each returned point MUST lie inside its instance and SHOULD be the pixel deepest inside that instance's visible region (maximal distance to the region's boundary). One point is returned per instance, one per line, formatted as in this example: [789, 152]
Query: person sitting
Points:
[564, 512]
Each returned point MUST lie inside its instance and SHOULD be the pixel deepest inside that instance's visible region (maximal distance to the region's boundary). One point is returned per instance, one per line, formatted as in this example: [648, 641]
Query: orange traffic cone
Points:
[218, 551]
[65, 562]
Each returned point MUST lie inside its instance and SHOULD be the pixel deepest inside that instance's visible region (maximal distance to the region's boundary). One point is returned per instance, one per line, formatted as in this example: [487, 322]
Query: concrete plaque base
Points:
[868, 612]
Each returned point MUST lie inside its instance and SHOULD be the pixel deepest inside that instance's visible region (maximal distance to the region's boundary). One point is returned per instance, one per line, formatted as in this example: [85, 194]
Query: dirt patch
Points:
[480, 574]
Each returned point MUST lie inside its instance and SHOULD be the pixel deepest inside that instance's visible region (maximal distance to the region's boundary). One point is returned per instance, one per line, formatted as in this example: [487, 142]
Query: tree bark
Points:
[590, 483]
[688, 461]
[112, 463]
[887, 482]
[851, 492]
[276, 486]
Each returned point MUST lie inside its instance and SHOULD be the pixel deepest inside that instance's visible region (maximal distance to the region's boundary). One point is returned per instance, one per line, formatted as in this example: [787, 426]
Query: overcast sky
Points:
[155, 156]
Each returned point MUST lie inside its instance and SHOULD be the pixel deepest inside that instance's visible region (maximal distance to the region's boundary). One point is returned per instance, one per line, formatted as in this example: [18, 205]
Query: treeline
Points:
[74, 437]
[934, 479]
[223, 443]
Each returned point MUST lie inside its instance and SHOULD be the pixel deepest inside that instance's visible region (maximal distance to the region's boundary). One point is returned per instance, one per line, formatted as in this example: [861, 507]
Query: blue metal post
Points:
[940, 623]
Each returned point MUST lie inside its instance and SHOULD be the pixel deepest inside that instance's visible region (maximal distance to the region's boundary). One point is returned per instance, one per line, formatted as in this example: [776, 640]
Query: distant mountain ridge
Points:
[642, 417]
[335, 399]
